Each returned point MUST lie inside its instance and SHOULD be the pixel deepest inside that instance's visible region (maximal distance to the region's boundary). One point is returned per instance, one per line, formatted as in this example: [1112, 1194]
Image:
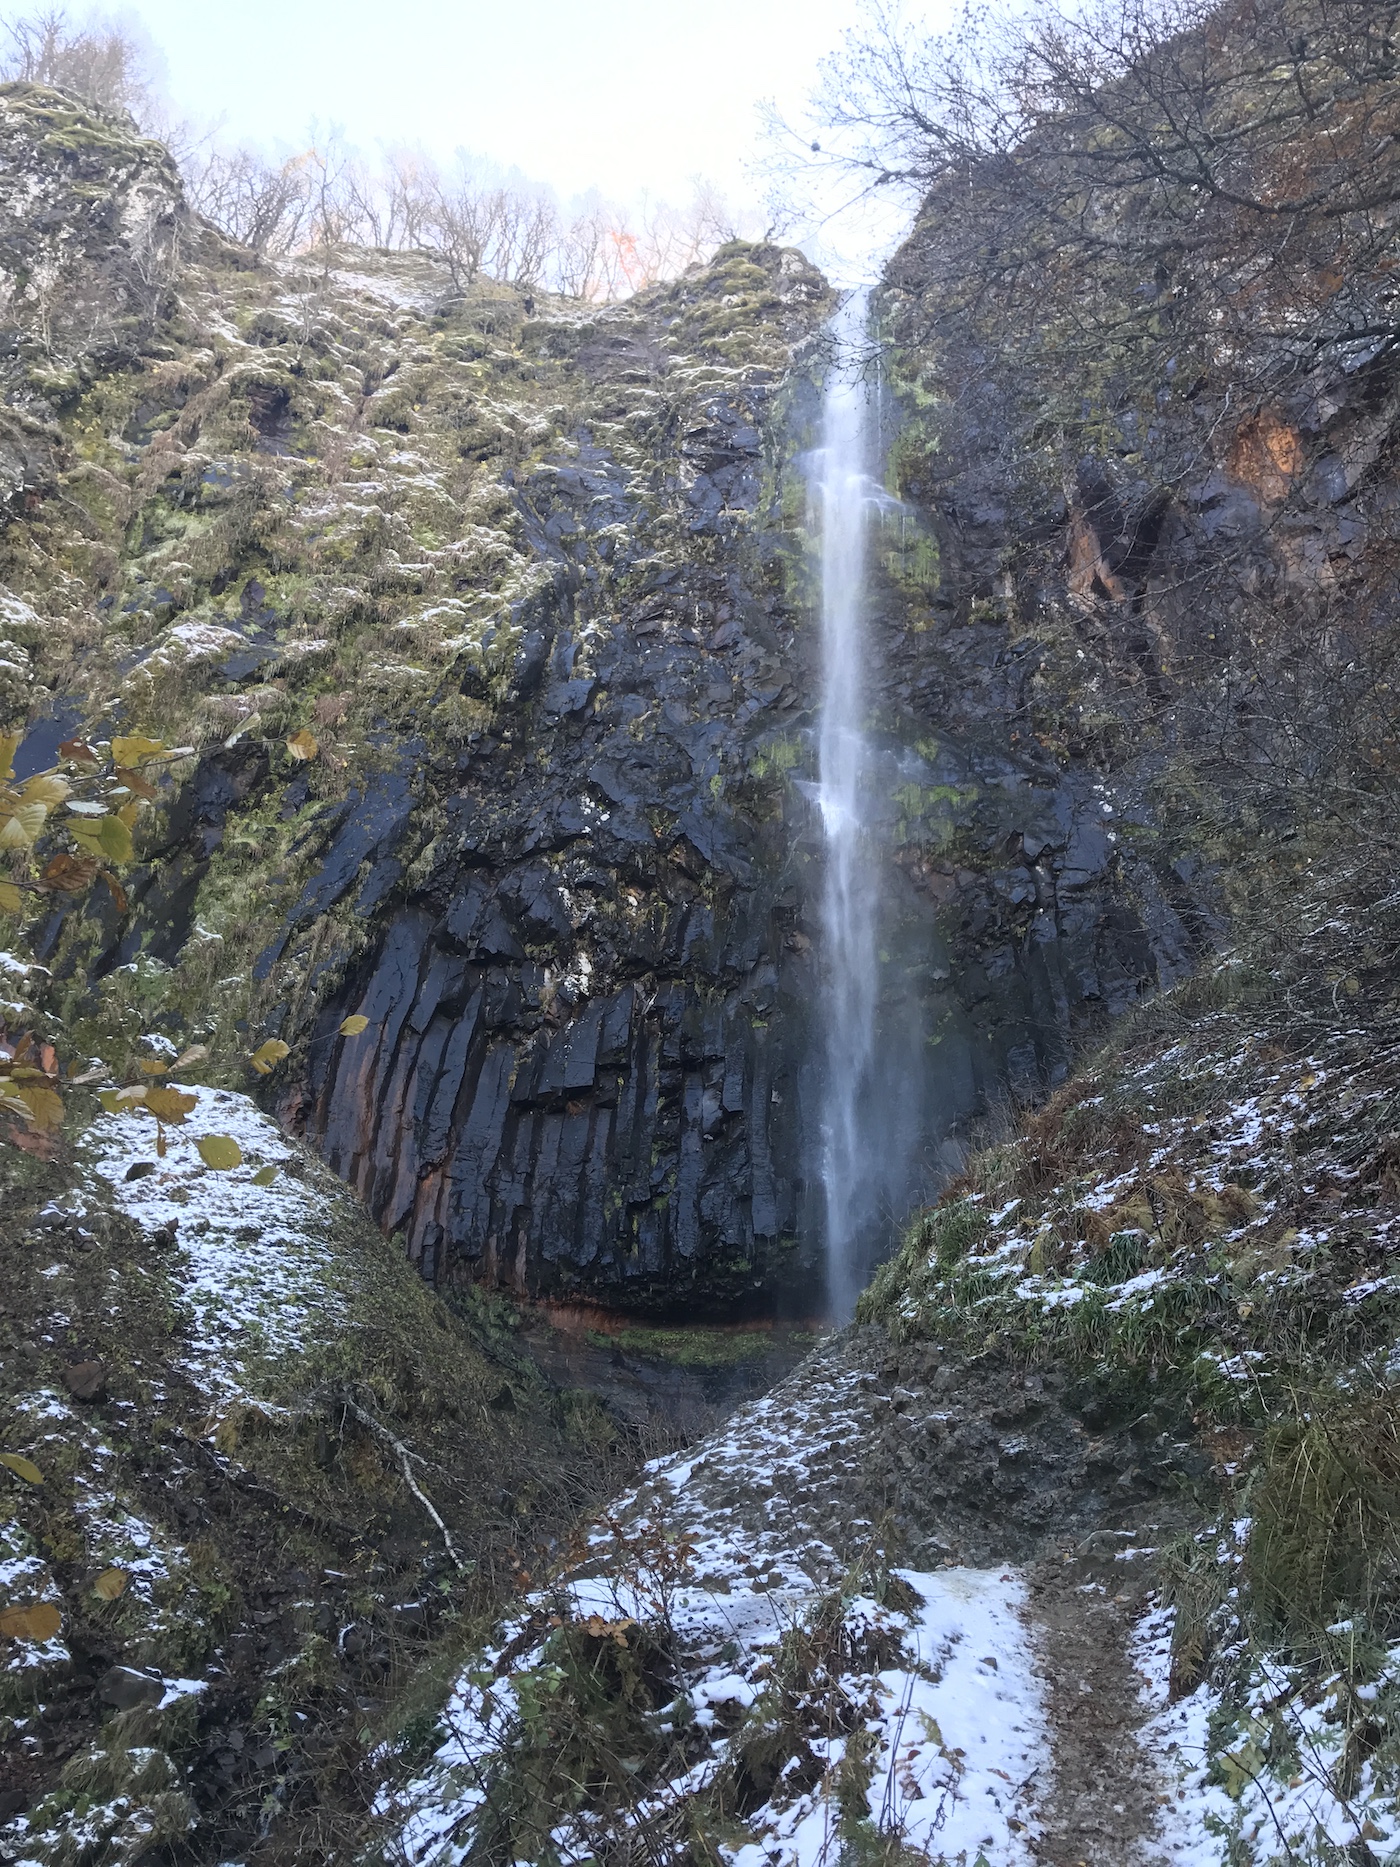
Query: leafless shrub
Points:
[100, 62]
[258, 204]
[329, 196]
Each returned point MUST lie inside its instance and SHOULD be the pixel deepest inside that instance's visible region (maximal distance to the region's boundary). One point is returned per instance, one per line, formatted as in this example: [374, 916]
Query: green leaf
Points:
[103, 837]
[22, 1467]
[219, 1151]
[265, 1176]
[116, 839]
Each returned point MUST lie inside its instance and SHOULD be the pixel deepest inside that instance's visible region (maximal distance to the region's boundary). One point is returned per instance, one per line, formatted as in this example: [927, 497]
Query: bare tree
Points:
[1153, 253]
[459, 226]
[1238, 159]
[259, 204]
[527, 237]
[579, 261]
[101, 63]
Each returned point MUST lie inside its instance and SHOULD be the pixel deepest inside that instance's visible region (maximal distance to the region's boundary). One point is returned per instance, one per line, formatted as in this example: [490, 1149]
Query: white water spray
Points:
[846, 496]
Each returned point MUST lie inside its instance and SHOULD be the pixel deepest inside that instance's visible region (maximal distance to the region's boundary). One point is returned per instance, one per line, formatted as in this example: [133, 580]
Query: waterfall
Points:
[845, 495]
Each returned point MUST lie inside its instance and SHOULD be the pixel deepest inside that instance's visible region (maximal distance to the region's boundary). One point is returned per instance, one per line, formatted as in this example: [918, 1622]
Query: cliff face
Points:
[531, 583]
[1137, 612]
[589, 1005]
[92, 227]
[531, 577]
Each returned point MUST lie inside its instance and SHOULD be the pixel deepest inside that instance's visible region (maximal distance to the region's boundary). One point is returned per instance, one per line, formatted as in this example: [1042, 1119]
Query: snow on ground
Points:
[253, 1272]
[937, 1695]
[387, 287]
[1255, 1776]
[960, 1730]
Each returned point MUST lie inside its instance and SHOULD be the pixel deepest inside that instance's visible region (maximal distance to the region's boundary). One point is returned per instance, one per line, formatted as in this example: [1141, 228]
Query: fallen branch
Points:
[405, 1458]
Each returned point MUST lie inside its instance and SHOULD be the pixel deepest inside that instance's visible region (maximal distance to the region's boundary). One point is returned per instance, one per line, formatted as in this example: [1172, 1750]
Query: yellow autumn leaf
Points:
[9, 745]
[268, 1055]
[265, 1176]
[22, 1467]
[108, 1099]
[45, 788]
[353, 1025]
[219, 1151]
[135, 750]
[110, 1584]
[41, 1621]
[153, 1066]
[11, 900]
[302, 745]
[44, 1105]
[169, 1105]
[22, 825]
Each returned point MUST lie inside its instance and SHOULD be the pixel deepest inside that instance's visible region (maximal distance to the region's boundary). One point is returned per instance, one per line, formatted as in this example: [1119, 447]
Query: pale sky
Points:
[623, 95]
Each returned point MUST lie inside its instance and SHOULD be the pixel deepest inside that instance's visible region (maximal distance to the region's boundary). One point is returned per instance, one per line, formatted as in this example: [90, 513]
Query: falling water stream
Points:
[846, 495]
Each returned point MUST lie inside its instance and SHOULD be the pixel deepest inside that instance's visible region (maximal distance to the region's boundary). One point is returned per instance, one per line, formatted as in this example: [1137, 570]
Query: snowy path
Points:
[825, 1707]
[944, 1703]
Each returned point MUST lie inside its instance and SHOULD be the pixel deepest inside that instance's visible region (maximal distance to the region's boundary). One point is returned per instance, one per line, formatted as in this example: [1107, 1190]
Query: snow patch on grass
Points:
[1260, 1773]
[252, 1268]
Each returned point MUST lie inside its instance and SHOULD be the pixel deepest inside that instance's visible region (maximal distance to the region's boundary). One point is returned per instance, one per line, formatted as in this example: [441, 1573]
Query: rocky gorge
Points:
[539, 584]
[447, 661]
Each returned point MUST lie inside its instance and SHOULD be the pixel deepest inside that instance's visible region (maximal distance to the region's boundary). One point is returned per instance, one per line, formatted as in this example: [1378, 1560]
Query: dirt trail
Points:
[1101, 1807]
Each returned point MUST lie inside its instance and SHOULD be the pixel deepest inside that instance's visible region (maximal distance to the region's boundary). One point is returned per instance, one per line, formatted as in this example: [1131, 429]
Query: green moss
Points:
[694, 1346]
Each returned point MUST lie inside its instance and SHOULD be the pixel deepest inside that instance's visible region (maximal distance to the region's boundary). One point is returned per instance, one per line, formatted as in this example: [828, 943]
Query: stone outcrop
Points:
[589, 1013]
[92, 224]
[537, 584]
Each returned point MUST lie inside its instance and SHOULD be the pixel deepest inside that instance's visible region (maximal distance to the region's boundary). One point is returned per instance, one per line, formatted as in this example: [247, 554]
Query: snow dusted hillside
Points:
[730, 1671]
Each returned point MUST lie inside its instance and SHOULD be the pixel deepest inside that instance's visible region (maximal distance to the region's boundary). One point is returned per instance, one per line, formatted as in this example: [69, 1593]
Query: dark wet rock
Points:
[86, 1380]
[124, 1688]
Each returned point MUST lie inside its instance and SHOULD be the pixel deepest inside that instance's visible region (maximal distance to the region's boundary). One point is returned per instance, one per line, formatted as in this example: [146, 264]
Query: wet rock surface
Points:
[591, 1017]
[537, 585]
